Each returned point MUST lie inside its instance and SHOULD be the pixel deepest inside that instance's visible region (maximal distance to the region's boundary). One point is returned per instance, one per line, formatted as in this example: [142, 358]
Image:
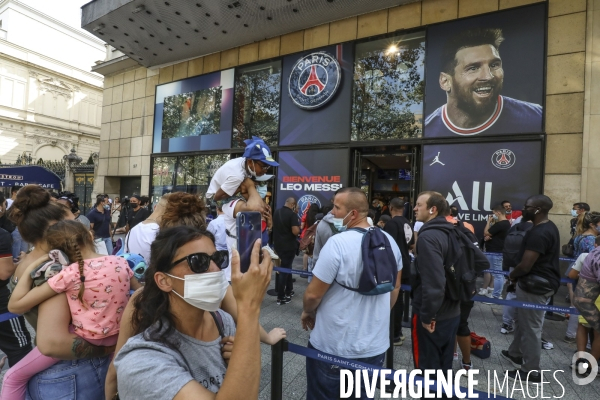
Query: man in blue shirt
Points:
[99, 217]
[472, 77]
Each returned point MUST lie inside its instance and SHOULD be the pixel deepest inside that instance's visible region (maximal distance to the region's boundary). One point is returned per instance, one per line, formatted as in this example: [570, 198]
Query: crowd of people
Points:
[101, 333]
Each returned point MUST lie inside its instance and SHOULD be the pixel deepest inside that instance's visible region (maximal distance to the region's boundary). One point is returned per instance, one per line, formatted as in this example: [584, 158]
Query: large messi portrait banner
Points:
[477, 176]
[311, 176]
[485, 74]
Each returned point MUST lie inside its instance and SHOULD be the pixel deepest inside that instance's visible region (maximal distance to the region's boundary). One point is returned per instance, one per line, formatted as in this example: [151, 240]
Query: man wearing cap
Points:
[136, 214]
[226, 184]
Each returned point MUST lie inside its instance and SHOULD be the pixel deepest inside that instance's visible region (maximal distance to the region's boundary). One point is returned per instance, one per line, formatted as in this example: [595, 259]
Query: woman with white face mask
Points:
[180, 329]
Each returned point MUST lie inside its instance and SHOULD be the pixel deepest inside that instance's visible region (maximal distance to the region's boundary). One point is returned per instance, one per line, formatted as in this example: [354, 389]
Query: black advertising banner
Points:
[316, 91]
[485, 75]
[477, 176]
[311, 176]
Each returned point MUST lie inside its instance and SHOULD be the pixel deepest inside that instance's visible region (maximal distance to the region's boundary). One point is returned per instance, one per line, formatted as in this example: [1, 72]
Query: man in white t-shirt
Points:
[227, 181]
[344, 322]
[231, 210]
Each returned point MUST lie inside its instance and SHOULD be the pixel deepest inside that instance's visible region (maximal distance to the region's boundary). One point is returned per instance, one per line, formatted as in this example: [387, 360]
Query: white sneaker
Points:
[272, 253]
[482, 292]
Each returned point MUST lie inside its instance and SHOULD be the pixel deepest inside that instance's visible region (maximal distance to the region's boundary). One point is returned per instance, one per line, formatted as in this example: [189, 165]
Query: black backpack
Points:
[460, 266]
[512, 245]
[380, 268]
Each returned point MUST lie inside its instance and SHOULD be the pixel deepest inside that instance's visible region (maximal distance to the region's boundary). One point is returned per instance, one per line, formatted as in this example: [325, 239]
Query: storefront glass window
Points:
[387, 98]
[191, 174]
[192, 114]
[256, 106]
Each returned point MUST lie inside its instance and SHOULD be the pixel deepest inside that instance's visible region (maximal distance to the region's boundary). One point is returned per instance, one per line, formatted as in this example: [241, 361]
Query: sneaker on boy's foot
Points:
[546, 345]
[482, 292]
[515, 361]
[272, 253]
[506, 329]
[285, 300]
[398, 341]
[455, 356]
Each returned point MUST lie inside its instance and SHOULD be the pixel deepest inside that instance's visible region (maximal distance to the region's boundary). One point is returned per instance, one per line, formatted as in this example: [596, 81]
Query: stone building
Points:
[50, 102]
[162, 44]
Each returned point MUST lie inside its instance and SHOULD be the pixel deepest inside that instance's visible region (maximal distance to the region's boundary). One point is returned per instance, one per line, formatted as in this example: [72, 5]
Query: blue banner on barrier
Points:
[356, 365]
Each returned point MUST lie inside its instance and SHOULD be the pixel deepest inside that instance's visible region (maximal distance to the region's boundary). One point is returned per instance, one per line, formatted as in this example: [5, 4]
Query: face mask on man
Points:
[495, 217]
[205, 291]
[338, 223]
[574, 213]
[262, 191]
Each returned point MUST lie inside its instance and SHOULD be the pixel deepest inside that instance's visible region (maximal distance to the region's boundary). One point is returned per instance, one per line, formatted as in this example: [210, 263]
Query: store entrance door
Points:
[387, 173]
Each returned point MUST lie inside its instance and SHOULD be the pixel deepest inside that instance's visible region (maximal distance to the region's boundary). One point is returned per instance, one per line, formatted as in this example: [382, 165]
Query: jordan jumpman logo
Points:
[437, 160]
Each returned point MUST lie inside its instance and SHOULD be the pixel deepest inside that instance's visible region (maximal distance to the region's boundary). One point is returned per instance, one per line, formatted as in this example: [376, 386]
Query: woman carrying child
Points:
[97, 289]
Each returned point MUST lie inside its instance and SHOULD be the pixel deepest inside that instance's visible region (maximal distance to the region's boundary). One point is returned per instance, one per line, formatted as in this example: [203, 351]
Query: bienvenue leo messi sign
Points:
[311, 176]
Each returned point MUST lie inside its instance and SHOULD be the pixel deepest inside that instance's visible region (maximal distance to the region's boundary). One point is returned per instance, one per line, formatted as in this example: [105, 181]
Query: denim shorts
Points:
[70, 380]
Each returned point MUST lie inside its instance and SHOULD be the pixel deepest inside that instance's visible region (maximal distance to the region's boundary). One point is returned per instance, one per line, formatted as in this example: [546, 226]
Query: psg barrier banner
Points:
[311, 176]
[477, 176]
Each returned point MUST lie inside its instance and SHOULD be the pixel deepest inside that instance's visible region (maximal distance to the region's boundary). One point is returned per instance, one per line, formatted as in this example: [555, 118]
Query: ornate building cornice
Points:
[57, 87]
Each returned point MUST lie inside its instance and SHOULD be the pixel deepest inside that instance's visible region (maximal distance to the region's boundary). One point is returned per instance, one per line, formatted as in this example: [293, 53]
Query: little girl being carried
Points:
[97, 289]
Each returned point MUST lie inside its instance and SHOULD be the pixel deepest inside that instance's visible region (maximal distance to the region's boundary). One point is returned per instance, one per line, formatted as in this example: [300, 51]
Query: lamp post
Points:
[71, 160]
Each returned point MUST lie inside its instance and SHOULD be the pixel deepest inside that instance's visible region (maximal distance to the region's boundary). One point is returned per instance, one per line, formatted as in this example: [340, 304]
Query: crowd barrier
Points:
[282, 346]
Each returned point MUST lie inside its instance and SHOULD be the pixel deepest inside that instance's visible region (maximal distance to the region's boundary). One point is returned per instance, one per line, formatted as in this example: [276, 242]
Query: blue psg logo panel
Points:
[314, 80]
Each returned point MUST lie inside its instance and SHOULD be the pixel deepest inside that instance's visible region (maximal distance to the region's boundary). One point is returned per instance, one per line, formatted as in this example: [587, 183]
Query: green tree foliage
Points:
[386, 86]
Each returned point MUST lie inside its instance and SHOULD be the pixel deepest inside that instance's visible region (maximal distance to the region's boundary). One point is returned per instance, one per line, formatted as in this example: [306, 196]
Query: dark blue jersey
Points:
[509, 116]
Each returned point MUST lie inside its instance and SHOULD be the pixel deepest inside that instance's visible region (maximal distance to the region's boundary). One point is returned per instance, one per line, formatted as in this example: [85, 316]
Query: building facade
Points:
[50, 102]
[385, 128]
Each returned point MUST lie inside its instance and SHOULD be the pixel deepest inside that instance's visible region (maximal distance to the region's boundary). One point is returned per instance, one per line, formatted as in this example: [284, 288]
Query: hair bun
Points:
[31, 197]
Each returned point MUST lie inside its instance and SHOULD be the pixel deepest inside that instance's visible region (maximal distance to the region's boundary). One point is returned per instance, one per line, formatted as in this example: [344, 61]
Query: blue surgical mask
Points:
[495, 217]
[338, 223]
[107, 207]
[262, 191]
[574, 213]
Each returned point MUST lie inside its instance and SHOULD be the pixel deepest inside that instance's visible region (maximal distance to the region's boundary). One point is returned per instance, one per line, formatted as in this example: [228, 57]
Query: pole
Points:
[277, 351]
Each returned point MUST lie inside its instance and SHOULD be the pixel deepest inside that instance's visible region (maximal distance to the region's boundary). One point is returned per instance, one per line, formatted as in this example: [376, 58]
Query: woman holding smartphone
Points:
[179, 327]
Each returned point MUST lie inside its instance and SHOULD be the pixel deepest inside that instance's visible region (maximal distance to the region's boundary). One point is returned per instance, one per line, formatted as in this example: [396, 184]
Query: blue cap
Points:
[257, 150]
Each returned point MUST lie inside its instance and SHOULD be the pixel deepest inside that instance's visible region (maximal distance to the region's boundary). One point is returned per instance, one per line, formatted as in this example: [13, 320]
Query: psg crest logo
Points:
[503, 159]
[305, 202]
[314, 80]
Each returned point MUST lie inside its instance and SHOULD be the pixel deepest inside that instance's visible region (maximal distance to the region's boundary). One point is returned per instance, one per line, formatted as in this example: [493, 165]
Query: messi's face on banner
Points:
[476, 81]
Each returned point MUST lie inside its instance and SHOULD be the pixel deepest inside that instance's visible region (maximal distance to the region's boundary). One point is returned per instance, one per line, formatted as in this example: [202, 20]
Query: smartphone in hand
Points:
[248, 232]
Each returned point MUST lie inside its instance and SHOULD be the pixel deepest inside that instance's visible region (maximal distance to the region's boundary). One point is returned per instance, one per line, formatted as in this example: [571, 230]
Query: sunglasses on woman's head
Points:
[200, 262]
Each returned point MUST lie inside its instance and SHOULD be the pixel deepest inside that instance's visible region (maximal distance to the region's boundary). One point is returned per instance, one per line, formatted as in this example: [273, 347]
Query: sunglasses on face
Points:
[200, 262]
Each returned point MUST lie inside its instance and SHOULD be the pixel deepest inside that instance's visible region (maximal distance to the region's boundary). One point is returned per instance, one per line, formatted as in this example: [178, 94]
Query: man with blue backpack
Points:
[347, 304]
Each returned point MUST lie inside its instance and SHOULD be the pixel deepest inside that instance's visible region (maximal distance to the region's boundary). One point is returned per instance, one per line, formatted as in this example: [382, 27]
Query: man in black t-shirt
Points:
[400, 229]
[494, 235]
[537, 278]
[136, 213]
[286, 228]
